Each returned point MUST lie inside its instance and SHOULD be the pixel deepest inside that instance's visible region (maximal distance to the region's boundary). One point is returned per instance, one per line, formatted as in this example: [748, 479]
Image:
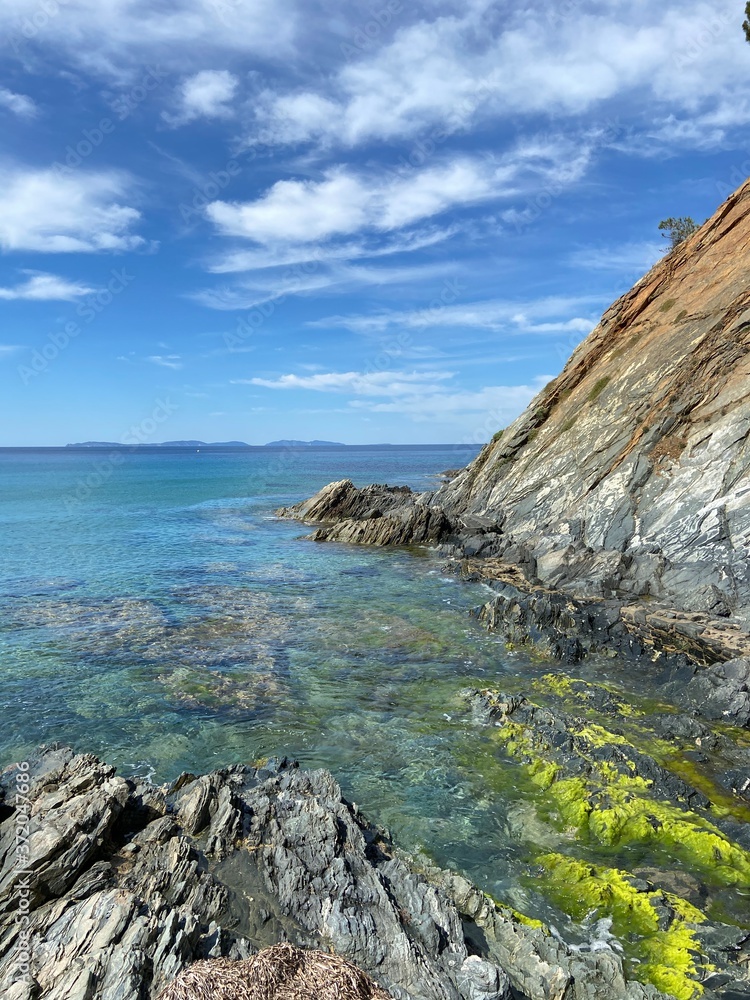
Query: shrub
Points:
[678, 230]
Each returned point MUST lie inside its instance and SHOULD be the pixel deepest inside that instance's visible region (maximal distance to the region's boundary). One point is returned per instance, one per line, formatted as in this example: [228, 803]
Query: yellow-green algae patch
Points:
[579, 691]
[672, 757]
[616, 808]
[666, 949]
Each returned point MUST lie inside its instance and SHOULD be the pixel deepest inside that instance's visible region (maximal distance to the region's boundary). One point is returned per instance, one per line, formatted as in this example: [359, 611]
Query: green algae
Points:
[674, 756]
[666, 949]
[615, 808]
[599, 386]
[579, 691]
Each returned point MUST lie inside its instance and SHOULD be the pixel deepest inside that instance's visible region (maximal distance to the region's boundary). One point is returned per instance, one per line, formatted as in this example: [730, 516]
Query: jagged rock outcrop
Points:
[118, 885]
[375, 515]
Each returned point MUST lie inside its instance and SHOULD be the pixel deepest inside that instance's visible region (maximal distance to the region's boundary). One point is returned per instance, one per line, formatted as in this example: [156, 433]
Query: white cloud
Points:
[310, 258]
[418, 396]
[345, 202]
[19, 104]
[495, 405]
[166, 360]
[42, 287]
[442, 75]
[7, 349]
[116, 38]
[207, 94]
[278, 284]
[550, 315]
[58, 212]
[630, 258]
[381, 383]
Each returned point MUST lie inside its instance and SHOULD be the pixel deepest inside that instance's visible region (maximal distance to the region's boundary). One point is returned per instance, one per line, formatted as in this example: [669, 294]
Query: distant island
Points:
[304, 444]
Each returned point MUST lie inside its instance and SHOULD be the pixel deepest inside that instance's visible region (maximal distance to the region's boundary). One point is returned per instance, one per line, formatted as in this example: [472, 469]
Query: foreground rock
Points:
[111, 887]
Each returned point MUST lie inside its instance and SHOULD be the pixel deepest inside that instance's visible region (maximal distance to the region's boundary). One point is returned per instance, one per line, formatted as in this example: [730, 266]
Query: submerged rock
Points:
[597, 787]
[120, 885]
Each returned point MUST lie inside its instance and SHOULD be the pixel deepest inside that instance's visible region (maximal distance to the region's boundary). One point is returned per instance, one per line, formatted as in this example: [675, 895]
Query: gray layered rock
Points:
[628, 477]
[630, 473]
[375, 515]
[124, 884]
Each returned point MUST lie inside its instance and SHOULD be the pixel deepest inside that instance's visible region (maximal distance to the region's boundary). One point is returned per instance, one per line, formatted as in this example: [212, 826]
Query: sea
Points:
[155, 611]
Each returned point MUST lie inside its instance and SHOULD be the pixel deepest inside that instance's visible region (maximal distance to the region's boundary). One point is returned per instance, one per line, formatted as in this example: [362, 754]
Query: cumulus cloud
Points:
[53, 212]
[207, 94]
[345, 202]
[455, 69]
[18, 104]
[42, 287]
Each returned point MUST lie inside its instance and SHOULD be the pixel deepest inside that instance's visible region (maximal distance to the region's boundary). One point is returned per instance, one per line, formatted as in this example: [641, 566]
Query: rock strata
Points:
[122, 884]
[375, 515]
[628, 477]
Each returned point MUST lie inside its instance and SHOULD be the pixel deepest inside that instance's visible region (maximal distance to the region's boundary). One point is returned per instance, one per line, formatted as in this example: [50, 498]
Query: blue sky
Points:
[363, 221]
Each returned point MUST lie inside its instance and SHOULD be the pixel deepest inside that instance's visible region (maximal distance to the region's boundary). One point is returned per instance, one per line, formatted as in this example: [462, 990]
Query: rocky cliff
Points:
[629, 473]
[627, 479]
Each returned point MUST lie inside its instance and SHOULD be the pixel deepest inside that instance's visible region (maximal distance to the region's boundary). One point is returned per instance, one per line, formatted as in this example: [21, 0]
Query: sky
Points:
[364, 221]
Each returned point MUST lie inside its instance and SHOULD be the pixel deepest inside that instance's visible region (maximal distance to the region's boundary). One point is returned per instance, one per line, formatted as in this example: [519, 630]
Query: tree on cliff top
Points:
[678, 230]
[746, 22]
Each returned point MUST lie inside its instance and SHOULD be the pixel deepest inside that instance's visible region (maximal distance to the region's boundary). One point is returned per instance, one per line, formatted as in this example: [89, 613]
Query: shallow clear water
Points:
[157, 613]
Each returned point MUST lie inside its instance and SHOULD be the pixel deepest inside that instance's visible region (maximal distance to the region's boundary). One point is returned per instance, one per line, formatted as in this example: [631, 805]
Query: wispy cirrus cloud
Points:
[496, 405]
[275, 285]
[115, 38]
[380, 383]
[630, 258]
[550, 315]
[173, 361]
[286, 255]
[417, 395]
[18, 104]
[43, 287]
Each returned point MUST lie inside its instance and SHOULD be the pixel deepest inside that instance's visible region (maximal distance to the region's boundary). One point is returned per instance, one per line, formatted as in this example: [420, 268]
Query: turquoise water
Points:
[155, 612]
